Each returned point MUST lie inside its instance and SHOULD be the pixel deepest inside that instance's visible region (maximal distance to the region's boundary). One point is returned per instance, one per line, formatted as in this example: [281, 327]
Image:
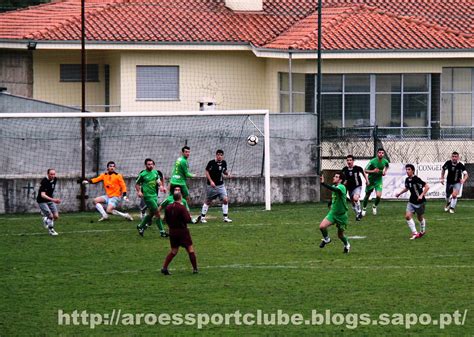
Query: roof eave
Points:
[239, 46]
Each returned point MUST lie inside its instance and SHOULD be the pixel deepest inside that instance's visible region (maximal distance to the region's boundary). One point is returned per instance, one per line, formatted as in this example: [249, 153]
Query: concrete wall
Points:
[19, 195]
[12, 103]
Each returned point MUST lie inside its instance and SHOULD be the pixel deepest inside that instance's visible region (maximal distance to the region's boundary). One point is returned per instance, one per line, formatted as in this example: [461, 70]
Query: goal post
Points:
[33, 142]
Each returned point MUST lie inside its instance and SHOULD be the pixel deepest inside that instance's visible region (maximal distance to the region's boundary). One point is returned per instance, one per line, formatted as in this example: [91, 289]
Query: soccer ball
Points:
[252, 140]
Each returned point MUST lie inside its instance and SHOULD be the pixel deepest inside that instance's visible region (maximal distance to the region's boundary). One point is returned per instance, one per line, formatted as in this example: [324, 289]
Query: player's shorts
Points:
[151, 203]
[114, 201]
[355, 191]
[414, 208]
[450, 187]
[339, 219]
[48, 208]
[184, 190]
[216, 192]
[180, 237]
[376, 185]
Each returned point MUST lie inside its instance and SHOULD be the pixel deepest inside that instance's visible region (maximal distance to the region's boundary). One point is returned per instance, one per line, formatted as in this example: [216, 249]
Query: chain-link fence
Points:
[407, 145]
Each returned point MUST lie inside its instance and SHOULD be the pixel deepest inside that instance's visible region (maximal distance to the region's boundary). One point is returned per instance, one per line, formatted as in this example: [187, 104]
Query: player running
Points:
[115, 193]
[376, 169]
[416, 204]
[457, 176]
[216, 169]
[47, 202]
[181, 173]
[338, 212]
[147, 188]
[177, 217]
[354, 184]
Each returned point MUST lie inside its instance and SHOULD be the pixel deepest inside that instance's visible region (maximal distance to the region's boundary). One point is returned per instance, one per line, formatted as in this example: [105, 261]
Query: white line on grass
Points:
[285, 266]
[72, 232]
[86, 231]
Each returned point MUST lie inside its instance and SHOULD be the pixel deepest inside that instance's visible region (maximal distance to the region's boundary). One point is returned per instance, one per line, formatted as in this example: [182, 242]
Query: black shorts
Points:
[180, 237]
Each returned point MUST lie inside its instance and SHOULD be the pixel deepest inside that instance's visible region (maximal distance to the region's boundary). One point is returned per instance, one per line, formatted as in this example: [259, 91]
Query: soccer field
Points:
[261, 263]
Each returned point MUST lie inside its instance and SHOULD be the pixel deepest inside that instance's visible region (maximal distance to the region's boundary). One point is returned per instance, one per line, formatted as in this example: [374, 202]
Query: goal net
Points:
[33, 142]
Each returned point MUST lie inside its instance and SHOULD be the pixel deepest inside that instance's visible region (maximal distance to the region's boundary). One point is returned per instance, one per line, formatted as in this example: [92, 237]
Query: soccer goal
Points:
[79, 144]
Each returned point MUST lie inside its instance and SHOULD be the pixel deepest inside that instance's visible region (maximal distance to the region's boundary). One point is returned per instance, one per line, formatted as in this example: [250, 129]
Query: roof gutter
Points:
[240, 46]
[365, 54]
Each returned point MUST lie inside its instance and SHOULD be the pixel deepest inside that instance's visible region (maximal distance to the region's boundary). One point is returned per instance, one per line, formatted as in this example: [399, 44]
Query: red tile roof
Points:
[388, 24]
[368, 28]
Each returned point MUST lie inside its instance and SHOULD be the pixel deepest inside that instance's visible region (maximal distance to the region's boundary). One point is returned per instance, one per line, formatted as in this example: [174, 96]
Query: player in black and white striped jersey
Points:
[416, 204]
[216, 169]
[457, 176]
[354, 184]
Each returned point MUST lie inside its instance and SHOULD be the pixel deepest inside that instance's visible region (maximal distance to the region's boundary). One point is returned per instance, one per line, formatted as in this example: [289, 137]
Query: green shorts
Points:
[376, 185]
[184, 190]
[339, 219]
[151, 203]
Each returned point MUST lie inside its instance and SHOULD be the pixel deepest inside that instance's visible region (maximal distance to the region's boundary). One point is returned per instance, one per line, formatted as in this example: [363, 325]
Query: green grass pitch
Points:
[266, 261]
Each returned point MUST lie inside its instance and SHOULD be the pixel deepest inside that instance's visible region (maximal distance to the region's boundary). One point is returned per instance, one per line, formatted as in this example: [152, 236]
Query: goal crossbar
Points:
[131, 114]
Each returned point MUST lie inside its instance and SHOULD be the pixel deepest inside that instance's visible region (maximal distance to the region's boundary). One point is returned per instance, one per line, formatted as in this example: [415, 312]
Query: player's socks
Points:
[453, 203]
[50, 223]
[325, 234]
[423, 226]
[225, 210]
[168, 260]
[159, 223]
[123, 215]
[192, 258]
[345, 240]
[204, 210]
[412, 226]
[145, 221]
[101, 210]
[377, 201]
[357, 206]
[365, 202]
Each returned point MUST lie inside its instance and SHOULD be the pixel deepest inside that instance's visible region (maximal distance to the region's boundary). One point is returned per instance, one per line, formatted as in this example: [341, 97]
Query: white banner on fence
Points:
[394, 181]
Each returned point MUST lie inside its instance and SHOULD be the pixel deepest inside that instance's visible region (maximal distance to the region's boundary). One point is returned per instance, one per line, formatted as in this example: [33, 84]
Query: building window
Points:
[390, 101]
[402, 101]
[158, 83]
[302, 89]
[457, 97]
[72, 73]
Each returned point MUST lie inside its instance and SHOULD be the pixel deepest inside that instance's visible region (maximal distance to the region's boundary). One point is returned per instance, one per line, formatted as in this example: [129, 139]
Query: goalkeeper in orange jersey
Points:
[115, 193]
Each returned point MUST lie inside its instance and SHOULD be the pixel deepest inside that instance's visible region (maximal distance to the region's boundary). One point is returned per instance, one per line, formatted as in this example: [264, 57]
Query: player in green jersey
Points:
[338, 212]
[181, 172]
[376, 170]
[146, 187]
[170, 199]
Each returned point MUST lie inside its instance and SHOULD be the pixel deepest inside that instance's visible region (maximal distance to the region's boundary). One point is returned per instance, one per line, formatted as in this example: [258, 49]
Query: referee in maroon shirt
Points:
[177, 217]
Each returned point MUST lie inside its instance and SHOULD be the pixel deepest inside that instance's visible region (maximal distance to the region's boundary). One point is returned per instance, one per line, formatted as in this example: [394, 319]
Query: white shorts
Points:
[452, 187]
[355, 191]
[216, 192]
[414, 208]
[48, 208]
[114, 201]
